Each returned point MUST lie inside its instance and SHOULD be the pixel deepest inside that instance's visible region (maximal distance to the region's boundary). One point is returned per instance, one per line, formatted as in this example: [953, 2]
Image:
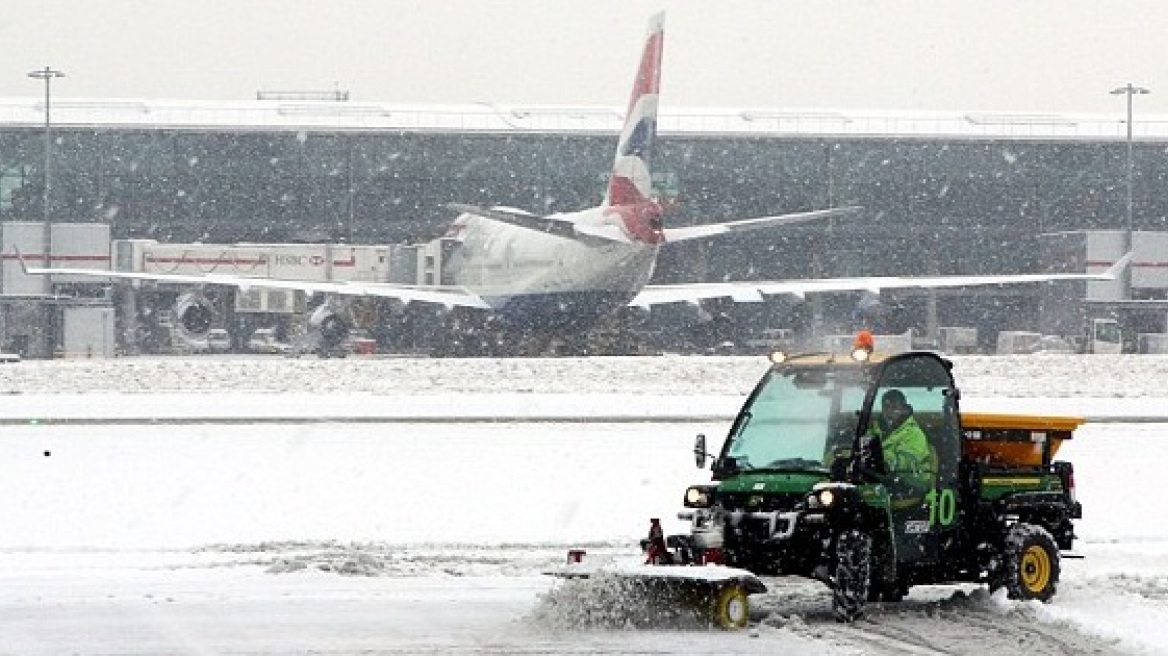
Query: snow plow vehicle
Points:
[804, 485]
[817, 479]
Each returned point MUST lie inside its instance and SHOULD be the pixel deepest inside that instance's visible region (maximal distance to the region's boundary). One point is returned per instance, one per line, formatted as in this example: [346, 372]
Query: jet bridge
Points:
[194, 311]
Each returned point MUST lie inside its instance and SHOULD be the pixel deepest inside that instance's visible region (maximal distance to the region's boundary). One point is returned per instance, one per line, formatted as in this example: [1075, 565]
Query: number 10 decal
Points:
[942, 506]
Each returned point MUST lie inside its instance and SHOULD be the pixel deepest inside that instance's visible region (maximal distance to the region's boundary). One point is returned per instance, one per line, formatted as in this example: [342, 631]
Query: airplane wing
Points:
[448, 296]
[714, 229]
[568, 228]
[551, 224]
[753, 291]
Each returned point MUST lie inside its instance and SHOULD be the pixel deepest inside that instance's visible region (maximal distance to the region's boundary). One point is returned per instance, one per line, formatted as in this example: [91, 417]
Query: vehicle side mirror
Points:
[699, 451]
[871, 457]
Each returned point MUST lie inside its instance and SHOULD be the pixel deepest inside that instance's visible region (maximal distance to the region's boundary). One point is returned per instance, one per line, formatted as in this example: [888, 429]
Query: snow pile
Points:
[1036, 376]
[607, 600]
[667, 388]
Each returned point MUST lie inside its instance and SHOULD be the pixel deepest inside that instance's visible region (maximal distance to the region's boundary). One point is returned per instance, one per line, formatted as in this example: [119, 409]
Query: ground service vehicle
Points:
[264, 340]
[1104, 336]
[218, 340]
[801, 486]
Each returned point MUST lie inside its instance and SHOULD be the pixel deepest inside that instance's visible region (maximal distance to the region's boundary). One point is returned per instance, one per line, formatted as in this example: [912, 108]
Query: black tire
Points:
[1030, 563]
[853, 563]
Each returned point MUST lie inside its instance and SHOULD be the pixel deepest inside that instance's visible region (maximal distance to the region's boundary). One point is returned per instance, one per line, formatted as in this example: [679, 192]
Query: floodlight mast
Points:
[1129, 90]
[47, 74]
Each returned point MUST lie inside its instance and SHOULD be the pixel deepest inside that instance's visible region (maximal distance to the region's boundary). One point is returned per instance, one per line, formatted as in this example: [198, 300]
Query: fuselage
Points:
[538, 279]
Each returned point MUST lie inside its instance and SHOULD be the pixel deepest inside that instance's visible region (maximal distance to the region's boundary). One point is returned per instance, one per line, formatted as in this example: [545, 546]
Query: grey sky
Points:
[997, 55]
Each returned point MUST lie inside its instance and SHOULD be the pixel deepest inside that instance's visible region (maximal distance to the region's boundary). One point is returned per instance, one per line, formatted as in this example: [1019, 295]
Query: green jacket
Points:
[907, 455]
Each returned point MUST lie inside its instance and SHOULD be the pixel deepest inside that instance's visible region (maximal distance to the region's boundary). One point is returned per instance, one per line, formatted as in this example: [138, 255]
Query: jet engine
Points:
[194, 313]
[327, 331]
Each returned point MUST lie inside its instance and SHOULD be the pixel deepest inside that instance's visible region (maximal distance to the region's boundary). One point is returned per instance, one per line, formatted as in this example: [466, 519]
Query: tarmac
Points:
[469, 408]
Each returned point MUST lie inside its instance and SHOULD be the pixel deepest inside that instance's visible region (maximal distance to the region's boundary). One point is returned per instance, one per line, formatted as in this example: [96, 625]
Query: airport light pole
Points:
[47, 74]
[1130, 90]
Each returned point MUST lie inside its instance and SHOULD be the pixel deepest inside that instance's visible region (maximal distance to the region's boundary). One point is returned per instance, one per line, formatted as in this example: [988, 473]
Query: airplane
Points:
[566, 271]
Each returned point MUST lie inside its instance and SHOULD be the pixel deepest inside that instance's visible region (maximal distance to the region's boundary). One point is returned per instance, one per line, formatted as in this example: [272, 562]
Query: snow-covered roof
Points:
[492, 117]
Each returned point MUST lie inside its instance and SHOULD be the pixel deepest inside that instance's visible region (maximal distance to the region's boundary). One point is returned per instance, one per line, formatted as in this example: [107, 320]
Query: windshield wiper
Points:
[740, 425]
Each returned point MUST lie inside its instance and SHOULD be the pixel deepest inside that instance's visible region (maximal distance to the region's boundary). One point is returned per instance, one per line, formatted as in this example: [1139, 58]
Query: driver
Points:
[906, 449]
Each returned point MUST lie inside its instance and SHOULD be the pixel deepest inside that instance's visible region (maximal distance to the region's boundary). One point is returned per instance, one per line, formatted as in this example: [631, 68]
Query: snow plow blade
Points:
[631, 593]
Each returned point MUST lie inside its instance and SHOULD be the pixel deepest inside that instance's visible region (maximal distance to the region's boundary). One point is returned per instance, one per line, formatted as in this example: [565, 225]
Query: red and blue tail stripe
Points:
[630, 185]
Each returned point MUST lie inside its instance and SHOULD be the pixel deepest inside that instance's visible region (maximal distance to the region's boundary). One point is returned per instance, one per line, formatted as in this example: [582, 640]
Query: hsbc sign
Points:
[298, 260]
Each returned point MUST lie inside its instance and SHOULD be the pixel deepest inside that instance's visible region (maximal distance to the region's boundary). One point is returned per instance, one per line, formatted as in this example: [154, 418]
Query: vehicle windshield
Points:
[798, 420]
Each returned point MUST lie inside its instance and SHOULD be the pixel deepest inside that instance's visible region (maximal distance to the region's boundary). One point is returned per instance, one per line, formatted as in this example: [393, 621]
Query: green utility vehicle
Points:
[801, 487]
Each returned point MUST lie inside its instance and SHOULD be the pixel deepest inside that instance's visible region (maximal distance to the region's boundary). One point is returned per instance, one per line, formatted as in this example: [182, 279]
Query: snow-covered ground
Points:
[373, 506]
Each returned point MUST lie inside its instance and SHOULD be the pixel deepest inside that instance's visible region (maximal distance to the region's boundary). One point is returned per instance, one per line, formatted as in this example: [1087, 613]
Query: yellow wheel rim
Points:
[1035, 571]
[733, 608]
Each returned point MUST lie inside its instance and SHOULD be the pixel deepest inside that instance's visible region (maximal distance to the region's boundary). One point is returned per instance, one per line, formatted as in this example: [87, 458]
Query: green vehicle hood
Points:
[770, 483]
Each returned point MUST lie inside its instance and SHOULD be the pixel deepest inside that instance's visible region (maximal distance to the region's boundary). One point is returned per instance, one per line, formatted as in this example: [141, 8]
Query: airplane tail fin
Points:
[630, 183]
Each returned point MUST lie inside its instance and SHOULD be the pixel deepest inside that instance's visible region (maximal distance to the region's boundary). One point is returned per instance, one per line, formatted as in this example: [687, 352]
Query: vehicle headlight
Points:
[698, 497]
[826, 498]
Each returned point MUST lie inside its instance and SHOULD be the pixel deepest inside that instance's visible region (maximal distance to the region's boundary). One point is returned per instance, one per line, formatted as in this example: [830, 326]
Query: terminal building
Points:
[943, 193]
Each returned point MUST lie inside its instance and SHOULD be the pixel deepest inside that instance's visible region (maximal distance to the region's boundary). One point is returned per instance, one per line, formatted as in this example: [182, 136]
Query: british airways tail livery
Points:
[563, 272]
[630, 183]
